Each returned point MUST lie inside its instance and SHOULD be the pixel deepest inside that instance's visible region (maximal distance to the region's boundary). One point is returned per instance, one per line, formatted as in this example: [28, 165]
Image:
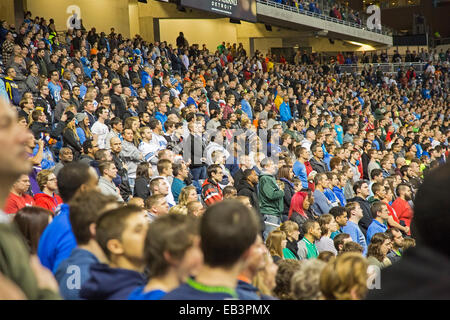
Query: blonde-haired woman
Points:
[275, 243]
[133, 124]
[290, 228]
[187, 195]
[179, 209]
[345, 278]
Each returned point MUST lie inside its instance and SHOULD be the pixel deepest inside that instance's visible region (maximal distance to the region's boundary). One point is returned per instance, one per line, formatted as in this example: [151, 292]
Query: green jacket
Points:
[15, 265]
[293, 134]
[372, 200]
[270, 196]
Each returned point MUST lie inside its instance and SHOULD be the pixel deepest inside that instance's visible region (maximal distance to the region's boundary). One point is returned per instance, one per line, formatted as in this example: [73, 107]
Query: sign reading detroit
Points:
[237, 9]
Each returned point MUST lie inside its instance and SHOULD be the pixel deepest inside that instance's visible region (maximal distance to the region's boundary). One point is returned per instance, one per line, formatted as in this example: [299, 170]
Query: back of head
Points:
[432, 202]
[170, 234]
[227, 230]
[85, 208]
[71, 177]
[345, 278]
[31, 222]
[339, 240]
[286, 269]
[305, 282]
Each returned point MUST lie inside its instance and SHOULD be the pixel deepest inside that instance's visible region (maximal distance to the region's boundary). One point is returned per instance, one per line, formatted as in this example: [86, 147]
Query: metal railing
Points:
[325, 9]
[384, 67]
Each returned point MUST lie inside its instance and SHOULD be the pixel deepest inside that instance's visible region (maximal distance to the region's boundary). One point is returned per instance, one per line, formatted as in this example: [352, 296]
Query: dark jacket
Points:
[141, 188]
[237, 177]
[40, 127]
[422, 273]
[108, 283]
[69, 140]
[245, 189]
[119, 104]
[318, 166]
[293, 246]
[366, 220]
[124, 185]
[288, 193]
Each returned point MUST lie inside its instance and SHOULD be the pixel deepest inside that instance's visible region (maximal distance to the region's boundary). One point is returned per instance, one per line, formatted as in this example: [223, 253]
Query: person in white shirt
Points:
[100, 129]
[157, 134]
[165, 171]
[185, 59]
[149, 150]
[310, 137]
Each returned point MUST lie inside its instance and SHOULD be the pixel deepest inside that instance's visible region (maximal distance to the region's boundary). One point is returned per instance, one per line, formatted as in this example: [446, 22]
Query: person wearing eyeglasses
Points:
[48, 198]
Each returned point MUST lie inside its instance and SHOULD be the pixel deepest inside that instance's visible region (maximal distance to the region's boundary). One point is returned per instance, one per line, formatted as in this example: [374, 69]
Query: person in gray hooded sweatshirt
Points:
[130, 155]
[108, 172]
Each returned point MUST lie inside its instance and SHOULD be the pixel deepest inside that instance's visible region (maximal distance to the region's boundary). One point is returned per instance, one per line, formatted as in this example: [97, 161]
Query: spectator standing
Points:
[270, 197]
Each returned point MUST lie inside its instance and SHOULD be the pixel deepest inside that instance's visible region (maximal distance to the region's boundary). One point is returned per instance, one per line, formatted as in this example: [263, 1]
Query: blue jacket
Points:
[161, 117]
[247, 108]
[331, 196]
[375, 227]
[285, 112]
[139, 294]
[247, 291]
[145, 78]
[57, 241]
[340, 195]
[339, 133]
[78, 264]
[108, 283]
[300, 172]
[356, 234]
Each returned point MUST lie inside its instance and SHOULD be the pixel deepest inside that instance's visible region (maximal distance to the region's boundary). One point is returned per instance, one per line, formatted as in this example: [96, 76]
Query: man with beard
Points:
[401, 205]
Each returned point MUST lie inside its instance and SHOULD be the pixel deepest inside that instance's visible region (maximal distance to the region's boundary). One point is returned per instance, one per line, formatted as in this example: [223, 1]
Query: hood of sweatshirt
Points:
[108, 283]
[243, 184]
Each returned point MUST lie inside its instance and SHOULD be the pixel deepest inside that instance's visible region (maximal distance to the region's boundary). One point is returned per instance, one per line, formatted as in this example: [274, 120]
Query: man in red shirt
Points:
[17, 198]
[48, 184]
[401, 205]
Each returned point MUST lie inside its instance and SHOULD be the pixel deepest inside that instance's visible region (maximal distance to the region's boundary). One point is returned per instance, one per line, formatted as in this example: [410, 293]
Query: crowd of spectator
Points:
[143, 170]
[338, 10]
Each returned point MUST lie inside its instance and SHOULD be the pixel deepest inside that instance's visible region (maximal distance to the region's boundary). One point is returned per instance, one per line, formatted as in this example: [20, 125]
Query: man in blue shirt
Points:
[352, 228]
[57, 240]
[246, 107]
[299, 167]
[339, 130]
[161, 114]
[380, 214]
[321, 204]
[218, 279]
